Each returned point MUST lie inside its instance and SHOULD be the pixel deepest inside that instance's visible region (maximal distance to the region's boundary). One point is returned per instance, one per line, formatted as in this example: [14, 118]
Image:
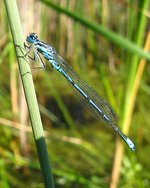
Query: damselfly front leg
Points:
[36, 56]
[23, 51]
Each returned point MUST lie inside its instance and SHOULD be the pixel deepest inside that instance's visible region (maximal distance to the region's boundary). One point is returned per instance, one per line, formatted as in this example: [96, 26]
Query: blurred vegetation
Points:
[103, 41]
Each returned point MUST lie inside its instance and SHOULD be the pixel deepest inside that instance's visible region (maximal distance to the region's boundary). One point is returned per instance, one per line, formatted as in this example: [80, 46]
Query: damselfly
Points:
[94, 102]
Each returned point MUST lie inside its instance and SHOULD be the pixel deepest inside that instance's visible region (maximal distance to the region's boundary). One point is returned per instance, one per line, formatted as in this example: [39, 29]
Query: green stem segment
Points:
[26, 76]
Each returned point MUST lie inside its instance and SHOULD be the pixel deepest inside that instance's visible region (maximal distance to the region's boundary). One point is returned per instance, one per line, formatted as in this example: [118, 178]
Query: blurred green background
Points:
[102, 40]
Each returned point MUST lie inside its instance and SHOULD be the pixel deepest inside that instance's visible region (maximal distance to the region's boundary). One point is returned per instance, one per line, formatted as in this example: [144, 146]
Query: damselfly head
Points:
[32, 38]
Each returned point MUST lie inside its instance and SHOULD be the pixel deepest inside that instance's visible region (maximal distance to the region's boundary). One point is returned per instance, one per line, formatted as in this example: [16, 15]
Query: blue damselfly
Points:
[95, 103]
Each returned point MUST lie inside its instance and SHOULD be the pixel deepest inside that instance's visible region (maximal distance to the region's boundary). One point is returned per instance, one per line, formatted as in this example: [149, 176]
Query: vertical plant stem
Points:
[13, 83]
[29, 91]
[120, 150]
[131, 94]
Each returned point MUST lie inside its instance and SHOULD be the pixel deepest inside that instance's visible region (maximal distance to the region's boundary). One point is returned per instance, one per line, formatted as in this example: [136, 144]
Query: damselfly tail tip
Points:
[130, 144]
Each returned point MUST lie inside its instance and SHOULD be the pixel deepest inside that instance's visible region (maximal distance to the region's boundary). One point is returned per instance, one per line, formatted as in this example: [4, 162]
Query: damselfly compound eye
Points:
[33, 36]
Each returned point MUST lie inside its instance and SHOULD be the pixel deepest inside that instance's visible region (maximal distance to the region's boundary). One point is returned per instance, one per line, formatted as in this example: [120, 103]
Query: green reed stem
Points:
[28, 86]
